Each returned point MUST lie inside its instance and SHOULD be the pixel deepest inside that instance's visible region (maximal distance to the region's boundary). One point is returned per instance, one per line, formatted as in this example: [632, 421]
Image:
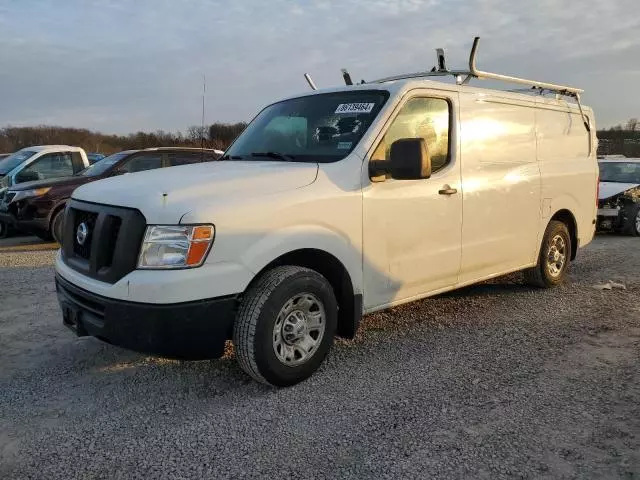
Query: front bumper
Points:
[8, 218]
[191, 330]
[35, 225]
[609, 218]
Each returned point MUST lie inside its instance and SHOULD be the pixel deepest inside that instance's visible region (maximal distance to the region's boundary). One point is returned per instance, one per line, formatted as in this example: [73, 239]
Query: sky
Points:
[119, 66]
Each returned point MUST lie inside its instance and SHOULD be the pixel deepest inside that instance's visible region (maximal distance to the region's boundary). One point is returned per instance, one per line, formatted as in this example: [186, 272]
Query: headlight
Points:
[24, 194]
[175, 246]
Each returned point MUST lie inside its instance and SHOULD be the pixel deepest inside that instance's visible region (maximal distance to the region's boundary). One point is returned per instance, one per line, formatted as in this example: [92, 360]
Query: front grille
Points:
[89, 220]
[114, 231]
[9, 197]
[113, 239]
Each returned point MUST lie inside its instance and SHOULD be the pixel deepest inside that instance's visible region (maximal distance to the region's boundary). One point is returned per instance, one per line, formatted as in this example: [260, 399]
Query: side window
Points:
[52, 165]
[420, 117]
[142, 162]
[185, 158]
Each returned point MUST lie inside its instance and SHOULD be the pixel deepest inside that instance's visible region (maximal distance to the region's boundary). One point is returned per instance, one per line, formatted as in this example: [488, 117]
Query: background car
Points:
[40, 163]
[619, 195]
[38, 207]
[94, 157]
[37, 163]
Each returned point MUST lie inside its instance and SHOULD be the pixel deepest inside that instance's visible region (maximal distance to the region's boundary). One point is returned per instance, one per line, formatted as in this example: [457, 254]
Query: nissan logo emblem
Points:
[82, 233]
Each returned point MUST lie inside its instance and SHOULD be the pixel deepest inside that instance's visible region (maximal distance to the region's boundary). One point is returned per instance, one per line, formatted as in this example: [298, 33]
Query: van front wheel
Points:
[553, 261]
[285, 325]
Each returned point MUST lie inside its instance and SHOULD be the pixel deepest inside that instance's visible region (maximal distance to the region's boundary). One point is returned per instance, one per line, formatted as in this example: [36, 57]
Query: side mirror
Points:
[409, 159]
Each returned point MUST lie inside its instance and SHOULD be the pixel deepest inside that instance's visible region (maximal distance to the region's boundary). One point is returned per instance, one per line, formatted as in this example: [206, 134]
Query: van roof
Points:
[402, 86]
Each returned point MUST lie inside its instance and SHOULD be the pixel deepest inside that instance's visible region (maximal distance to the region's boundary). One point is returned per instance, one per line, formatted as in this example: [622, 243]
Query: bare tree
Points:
[217, 136]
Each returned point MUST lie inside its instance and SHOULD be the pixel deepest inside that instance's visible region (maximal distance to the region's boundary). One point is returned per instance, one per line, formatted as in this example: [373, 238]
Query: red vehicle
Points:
[37, 207]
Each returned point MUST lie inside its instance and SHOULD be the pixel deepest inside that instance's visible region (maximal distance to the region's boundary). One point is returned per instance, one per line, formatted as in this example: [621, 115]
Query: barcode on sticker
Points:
[355, 108]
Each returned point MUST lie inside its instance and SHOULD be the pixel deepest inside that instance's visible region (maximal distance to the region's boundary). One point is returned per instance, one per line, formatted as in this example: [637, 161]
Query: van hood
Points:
[609, 189]
[166, 194]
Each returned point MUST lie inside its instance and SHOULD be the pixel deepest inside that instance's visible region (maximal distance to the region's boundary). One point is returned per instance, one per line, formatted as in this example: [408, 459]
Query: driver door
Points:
[412, 228]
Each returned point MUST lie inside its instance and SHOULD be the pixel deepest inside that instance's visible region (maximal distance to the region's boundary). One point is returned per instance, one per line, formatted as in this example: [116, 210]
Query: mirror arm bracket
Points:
[378, 170]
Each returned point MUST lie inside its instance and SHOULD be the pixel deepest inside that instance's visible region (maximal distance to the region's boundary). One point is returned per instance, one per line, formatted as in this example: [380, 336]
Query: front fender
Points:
[278, 243]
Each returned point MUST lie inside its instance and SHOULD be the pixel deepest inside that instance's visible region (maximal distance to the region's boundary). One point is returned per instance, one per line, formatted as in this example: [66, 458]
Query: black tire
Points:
[254, 329]
[5, 229]
[56, 226]
[541, 275]
[631, 214]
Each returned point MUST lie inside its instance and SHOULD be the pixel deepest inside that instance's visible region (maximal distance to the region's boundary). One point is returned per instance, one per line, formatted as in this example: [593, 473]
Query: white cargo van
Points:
[331, 205]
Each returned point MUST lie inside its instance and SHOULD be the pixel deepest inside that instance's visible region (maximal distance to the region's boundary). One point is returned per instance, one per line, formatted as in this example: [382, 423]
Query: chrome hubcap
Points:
[638, 222]
[299, 329]
[556, 256]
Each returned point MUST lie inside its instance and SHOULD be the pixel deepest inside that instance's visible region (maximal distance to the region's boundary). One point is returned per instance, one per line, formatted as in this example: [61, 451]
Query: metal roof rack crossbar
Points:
[440, 71]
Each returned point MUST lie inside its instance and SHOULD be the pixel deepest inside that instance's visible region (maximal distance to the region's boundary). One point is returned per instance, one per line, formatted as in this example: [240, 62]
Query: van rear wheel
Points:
[285, 325]
[553, 261]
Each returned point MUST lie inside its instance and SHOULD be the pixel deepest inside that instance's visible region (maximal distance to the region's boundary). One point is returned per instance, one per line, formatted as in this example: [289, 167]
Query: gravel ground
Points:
[494, 381]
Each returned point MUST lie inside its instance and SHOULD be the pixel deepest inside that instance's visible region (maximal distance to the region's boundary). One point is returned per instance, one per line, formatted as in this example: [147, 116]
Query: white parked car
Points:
[331, 205]
[40, 162]
[619, 195]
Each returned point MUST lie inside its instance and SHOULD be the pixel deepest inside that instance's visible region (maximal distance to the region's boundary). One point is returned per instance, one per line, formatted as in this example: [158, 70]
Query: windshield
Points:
[620, 172]
[101, 166]
[319, 128]
[12, 161]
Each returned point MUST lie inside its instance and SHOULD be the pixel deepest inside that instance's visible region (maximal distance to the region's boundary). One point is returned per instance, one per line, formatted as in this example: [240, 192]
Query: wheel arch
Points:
[59, 206]
[330, 267]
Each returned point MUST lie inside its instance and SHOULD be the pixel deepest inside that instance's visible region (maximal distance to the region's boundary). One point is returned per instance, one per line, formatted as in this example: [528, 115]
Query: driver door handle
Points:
[447, 190]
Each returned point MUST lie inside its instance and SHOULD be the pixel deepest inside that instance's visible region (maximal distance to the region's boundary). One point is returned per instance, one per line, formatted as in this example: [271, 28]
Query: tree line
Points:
[218, 135]
[623, 139]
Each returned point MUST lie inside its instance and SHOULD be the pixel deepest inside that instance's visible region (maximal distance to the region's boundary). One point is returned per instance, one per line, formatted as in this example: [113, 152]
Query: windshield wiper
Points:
[274, 155]
[231, 157]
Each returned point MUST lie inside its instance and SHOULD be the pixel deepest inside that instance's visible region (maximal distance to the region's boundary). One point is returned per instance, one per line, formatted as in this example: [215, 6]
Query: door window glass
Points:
[52, 165]
[427, 118]
[142, 162]
[185, 158]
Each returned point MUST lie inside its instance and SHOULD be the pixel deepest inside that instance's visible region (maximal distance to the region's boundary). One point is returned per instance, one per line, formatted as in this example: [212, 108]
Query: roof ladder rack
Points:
[440, 70]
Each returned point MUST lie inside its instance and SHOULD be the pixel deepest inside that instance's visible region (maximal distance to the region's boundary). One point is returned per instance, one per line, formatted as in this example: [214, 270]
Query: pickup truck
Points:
[38, 163]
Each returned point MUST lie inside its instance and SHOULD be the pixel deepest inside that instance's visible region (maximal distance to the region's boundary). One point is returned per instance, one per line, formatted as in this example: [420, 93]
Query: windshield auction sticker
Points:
[355, 108]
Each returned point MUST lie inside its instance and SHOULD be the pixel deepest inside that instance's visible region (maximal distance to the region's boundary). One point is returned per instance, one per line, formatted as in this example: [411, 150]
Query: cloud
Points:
[125, 65]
